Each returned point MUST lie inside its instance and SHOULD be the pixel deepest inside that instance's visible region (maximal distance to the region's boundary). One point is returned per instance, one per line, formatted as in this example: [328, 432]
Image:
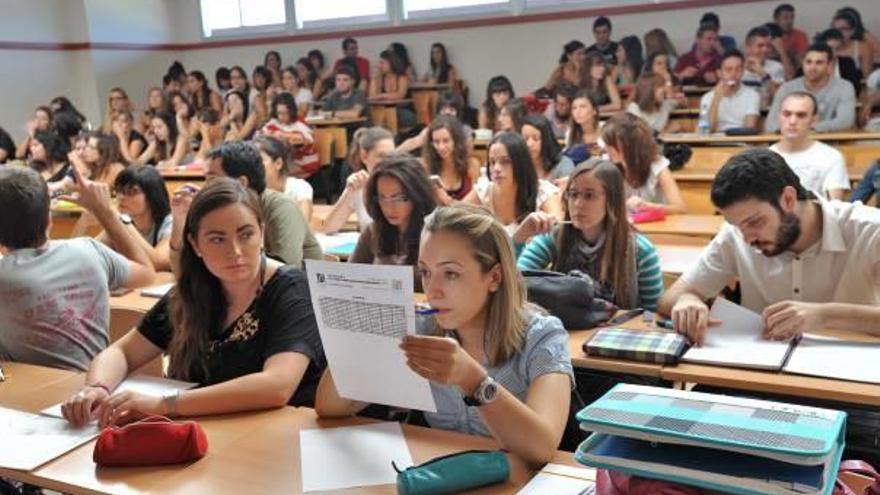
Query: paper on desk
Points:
[157, 290]
[352, 456]
[737, 341]
[31, 440]
[559, 479]
[147, 385]
[363, 312]
[816, 355]
[340, 243]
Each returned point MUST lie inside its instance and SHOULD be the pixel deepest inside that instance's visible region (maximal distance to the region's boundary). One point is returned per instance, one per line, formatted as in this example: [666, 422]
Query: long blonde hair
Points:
[506, 320]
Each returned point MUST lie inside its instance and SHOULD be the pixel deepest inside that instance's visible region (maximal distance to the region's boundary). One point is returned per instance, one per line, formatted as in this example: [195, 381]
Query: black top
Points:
[7, 144]
[609, 52]
[280, 319]
[134, 135]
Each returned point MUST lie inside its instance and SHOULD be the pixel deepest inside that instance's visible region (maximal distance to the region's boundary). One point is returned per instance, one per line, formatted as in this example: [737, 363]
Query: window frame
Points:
[498, 8]
[244, 31]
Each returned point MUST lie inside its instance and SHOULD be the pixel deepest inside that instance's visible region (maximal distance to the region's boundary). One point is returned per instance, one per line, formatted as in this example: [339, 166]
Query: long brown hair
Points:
[634, 139]
[618, 263]
[365, 139]
[108, 154]
[506, 318]
[459, 149]
[645, 94]
[198, 304]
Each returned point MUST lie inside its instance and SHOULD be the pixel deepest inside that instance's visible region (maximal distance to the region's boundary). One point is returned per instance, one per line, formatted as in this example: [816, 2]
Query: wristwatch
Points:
[125, 218]
[485, 393]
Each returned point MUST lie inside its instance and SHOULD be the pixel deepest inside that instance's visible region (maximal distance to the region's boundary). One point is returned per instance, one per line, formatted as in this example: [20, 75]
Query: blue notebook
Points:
[342, 250]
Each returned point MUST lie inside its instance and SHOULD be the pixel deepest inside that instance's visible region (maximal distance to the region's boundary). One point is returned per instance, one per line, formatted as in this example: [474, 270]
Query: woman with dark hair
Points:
[630, 144]
[200, 93]
[66, 124]
[601, 84]
[263, 80]
[441, 72]
[854, 45]
[295, 134]
[237, 323]
[392, 83]
[571, 67]
[651, 102]
[547, 158]
[222, 78]
[272, 61]
[584, 127]
[275, 154]
[448, 103]
[183, 111]
[629, 60]
[657, 41]
[324, 75]
[156, 102]
[867, 36]
[398, 197]
[239, 121]
[166, 144]
[238, 80]
[399, 49]
[513, 190]
[445, 155]
[131, 142]
[7, 146]
[296, 80]
[498, 92]
[511, 116]
[48, 156]
[63, 104]
[101, 160]
[599, 240]
[41, 121]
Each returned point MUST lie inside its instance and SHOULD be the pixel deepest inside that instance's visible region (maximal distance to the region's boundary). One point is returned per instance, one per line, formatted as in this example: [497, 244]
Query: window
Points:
[219, 16]
[319, 13]
[420, 9]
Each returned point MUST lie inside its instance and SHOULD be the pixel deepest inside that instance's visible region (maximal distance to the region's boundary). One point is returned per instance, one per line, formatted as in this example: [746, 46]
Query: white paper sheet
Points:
[737, 341]
[157, 291]
[29, 440]
[558, 479]
[677, 259]
[363, 312]
[832, 358]
[144, 384]
[352, 456]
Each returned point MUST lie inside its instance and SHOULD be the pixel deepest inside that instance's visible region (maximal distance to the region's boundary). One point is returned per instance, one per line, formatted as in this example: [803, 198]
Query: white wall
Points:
[524, 52]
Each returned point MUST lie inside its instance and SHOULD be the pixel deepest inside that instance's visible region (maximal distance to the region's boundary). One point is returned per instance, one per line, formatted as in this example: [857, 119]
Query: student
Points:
[287, 234]
[306, 74]
[652, 103]
[245, 332]
[558, 112]
[730, 105]
[725, 43]
[41, 121]
[657, 41]
[368, 147]
[296, 134]
[239, 121]
[345, 100]
[659, 63]
[512, 367]
[629, 60]
[820, 167]
[445, 155]
[544, 149]
[54, 295]
[448, 103]
[514, 190]
[201, 94]
[867, 36]
[145, 210]
[844, 67]
[156, 102]
[292, 83]
[399, 196]
[210, 130]
[584, 127]
[399, 50]
[272, 61]
[511, 116]
[817, 266]
[794, 40]
[7, 146]
[698, 66]
[392, 83]
[854, 45]
[836, 97]
[599, 241]
[262, 79]
[761, 72]
[630, 143]
[183, 111]
[101, 159]
[603, 45]
[222, 78]
[131, 142]
[441, 71]
[350, 51]
[61, 104]
[323, 73]
[167, 144]
[239, 80]
[48, 156]
[274, 155]
[571, 68]
[117, 101]
[498, 92]
[601, 84]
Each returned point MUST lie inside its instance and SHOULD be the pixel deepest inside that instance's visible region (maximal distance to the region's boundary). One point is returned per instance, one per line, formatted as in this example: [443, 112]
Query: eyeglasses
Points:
[588, 195]
[392, 200]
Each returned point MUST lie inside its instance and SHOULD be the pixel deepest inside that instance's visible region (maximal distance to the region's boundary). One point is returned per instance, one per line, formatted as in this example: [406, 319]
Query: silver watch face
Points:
[488, 391]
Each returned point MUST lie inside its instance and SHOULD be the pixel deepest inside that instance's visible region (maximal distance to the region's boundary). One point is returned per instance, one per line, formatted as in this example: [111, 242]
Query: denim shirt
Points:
[545, 351]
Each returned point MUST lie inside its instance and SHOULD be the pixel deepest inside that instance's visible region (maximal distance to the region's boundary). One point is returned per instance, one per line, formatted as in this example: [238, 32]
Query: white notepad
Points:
[157, 291]
[833, 358]
[737, 341]
[31, 440]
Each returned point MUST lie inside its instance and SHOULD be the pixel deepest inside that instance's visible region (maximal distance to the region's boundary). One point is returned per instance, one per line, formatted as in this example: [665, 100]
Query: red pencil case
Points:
[152, 441]
[649, 215]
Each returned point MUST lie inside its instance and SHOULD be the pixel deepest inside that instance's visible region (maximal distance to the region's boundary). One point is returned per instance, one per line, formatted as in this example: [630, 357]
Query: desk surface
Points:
[335, 121]
[134, 299]
[254, 452]
[183, 174]
[427, 86]
[390, 103]
[765, 138]
[687, 225]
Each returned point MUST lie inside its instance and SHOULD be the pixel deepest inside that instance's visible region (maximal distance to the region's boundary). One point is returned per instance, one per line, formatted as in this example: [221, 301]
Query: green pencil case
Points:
[454, 473]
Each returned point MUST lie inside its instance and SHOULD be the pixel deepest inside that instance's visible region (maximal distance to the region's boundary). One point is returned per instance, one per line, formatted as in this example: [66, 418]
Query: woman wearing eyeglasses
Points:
[599, 240]
[398, 197]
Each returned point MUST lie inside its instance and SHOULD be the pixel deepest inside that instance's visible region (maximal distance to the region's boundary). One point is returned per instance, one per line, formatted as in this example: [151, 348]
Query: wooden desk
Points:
[424, 96]
[701, 228]
[826, 137]
[254, 452]
[320, 213]
[384, 112]
[134, 299]
[176, 178]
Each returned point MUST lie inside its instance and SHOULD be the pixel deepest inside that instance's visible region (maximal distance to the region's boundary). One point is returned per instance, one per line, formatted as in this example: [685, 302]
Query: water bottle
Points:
[703, 124]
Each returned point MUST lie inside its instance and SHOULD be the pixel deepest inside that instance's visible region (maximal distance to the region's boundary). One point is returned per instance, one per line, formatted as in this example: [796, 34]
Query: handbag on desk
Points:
[152, 441]
[570, 297]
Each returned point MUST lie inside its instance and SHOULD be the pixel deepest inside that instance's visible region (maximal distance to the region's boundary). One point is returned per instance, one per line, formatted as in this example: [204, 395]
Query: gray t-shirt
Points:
[54, 302]
[154, 236]
[335, 101]
[837, 105]
[545, 351]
